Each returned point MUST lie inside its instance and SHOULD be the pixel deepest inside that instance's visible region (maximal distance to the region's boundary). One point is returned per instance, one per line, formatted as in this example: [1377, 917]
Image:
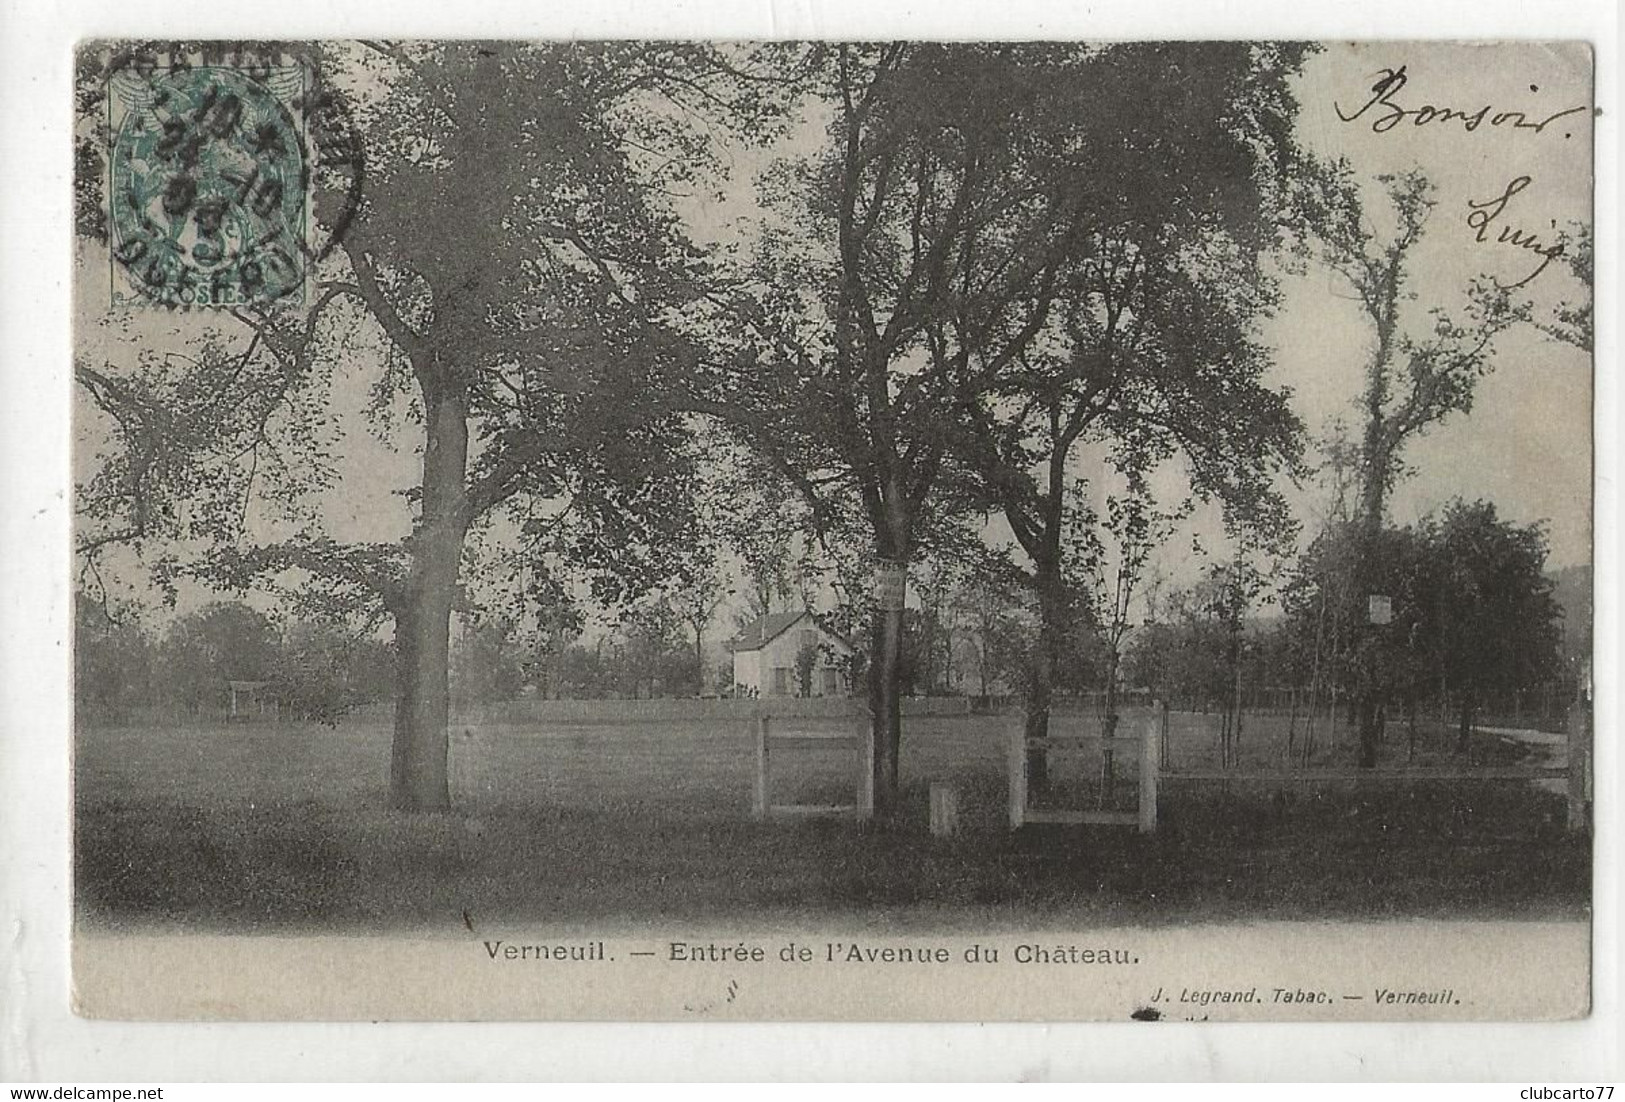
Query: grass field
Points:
[264, 828]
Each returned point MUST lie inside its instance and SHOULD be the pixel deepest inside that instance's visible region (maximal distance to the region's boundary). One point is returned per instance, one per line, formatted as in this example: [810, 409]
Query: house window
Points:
[781, 680]
[832, 681]
[807, 638]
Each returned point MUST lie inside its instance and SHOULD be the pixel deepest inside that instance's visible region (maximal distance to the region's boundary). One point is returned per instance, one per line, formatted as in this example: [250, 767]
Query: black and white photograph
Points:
[838, 530]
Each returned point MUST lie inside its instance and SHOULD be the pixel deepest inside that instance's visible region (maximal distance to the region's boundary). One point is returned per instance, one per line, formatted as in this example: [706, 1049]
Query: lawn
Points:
[264, 828]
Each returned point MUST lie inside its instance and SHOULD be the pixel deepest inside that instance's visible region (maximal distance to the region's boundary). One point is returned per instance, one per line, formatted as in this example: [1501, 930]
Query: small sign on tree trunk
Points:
[1381, 609]
[891, 585]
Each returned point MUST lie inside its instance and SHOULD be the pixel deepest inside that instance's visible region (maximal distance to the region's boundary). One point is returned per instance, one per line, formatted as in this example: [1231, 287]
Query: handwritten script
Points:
[1384, 112]
[1485, 216]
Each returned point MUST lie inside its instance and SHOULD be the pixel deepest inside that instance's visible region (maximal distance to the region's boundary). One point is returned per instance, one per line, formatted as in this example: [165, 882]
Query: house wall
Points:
[747, 667]
[762, 667]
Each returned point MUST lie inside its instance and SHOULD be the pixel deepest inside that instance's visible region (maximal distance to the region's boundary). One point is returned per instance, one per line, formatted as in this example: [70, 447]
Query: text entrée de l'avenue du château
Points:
[857, 952]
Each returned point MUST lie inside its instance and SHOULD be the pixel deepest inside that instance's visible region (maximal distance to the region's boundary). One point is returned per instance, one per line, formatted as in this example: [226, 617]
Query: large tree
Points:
[1498, 627]
[919, 253]
[503, 257]
[1151, 355]
[904, 200]
[1419, 371]
[1473, 612]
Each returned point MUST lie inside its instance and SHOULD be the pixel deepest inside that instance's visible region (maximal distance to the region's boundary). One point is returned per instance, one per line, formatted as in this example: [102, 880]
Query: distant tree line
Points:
[126, 671]
[1474, 622]
[1455, 612]
[647, 653]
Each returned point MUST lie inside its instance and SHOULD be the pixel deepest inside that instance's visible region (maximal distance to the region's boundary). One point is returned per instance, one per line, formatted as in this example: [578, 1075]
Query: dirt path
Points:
[1549, 748]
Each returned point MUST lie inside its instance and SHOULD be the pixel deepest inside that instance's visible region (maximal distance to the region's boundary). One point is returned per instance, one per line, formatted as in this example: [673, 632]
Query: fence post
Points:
[1579, 763]
[866, 761]
[944, 811]
[1018, 772]
[760, 794]
[1162, 733]
[1149, 753]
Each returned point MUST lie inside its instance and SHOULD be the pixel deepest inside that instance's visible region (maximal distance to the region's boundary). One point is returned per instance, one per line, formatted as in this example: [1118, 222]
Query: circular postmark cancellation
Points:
[209, 183]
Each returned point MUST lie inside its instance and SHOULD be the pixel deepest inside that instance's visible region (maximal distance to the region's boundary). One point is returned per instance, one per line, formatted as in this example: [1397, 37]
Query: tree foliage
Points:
[1498, 625]
[965, 200]
[1419, 371]
[510, 271]
[127, 671]
[1571, 321]
[1473, 612]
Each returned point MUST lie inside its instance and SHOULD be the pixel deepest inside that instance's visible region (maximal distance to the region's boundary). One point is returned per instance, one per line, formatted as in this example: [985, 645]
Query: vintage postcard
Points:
[900, 530]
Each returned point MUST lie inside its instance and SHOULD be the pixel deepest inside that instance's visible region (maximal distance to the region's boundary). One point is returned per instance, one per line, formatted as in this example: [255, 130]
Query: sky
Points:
[1526, 445]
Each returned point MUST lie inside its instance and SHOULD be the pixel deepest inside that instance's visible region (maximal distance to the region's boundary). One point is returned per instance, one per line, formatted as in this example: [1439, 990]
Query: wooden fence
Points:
[774, 736]
[740, 709]
[1149, 742]
[1576, 774]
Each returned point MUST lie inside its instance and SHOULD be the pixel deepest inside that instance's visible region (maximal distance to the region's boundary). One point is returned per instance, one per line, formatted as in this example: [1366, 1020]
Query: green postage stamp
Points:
[207, 184]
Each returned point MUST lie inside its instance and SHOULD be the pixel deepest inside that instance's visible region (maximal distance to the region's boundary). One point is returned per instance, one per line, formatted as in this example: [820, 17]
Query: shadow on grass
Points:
[1351, 852]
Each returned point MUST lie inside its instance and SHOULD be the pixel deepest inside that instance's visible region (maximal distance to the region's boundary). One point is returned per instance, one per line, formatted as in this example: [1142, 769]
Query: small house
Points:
[790, 654]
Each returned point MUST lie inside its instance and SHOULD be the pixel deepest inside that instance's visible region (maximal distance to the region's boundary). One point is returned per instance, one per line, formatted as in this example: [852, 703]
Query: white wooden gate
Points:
[1149, 742]
[771, 740]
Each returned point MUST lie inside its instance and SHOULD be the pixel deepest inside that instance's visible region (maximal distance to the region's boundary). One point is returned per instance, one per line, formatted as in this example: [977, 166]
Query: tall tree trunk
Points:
[886, 705]
[1046, 664]
[1373, 497]
[1369, 729]
[1108, 755]
[419, 770]
[1230, 724]
[419, 767]
[1111, 702]
[890, 513]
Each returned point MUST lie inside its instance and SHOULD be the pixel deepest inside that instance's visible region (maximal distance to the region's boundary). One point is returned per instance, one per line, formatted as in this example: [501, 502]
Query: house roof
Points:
[760, 632]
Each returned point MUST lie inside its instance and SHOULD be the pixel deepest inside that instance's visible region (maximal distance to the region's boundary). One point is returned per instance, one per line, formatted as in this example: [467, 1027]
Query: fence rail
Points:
[769, 739]
[1400, 773]
[1576, 773]
[1019, 755]
[610, 710]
